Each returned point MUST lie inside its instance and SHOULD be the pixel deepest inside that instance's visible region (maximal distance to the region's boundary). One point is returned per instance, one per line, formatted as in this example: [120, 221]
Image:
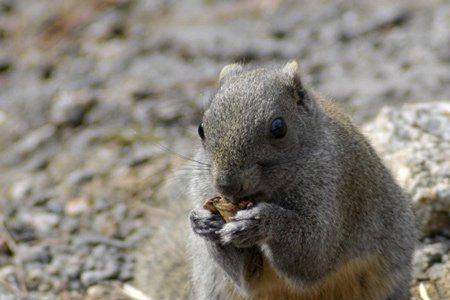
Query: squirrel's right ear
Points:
[228, 71]
[292, 72]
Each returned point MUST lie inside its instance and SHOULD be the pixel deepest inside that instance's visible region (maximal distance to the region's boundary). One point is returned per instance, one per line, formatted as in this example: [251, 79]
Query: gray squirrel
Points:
[329, 220]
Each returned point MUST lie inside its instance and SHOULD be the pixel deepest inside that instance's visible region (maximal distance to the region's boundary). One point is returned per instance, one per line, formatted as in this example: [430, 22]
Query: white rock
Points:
[414, 141]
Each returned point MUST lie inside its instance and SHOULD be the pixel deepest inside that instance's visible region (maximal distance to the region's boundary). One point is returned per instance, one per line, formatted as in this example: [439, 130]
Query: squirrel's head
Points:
[253, 129]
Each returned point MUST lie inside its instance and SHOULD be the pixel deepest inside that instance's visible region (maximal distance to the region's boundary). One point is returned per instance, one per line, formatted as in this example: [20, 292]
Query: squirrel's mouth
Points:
[255, 197]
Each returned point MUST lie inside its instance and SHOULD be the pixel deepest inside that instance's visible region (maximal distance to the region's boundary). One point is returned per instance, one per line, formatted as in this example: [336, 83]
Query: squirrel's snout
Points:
[237, 186]
[228, 185]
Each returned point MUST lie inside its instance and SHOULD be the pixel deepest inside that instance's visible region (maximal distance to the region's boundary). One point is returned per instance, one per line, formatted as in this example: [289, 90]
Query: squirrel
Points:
[328, 220]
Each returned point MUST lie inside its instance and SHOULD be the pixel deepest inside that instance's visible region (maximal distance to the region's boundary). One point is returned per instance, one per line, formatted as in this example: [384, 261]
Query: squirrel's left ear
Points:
[292, 73]
[228, 71]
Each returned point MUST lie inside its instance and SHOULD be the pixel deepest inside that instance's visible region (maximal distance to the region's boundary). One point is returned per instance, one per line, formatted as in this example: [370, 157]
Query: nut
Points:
[221, 205]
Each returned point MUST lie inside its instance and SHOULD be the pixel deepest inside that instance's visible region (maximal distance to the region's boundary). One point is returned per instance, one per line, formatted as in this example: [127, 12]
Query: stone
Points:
[41, 221]
[414, 140]
[21, 189]
[426, 256]
[77, 206]
[28, 144]
[70, 107]
[21, 231]
[37, 253]
[5, 64]
[80, 176]
[103, 263]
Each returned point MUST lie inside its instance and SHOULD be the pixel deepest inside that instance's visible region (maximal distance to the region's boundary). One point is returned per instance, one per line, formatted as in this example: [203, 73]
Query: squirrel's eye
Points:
[278, 128]
[201, 132]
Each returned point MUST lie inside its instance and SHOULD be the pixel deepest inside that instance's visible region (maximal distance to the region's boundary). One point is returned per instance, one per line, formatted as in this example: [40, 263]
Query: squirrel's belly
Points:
[358, 279]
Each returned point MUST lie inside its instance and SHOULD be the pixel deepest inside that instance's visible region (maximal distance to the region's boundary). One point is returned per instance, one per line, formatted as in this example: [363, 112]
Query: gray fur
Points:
[323, 195]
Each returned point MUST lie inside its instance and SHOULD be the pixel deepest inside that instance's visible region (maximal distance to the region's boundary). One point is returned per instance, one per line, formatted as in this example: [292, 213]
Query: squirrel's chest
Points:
[265, 283]
[358, 279]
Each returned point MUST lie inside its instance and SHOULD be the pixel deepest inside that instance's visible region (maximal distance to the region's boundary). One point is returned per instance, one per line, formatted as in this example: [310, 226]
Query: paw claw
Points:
[206, 224]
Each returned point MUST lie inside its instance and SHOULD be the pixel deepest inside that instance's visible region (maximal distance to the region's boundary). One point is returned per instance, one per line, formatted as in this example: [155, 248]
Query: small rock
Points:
[4, 248]
[144, 94]
[127, 269]
[72, 268]
[8, 275]
[21, 189]
[109, 271]
[6, 6]
[106, 224]
[106, 26]
[159, 113]
[43, 222]
[71, 107]
[21, 231]
[3, 117]
[55, 207]
[77, 206]
[426, 256]
[5, 64]
[28, 144]
[79, 176]
[37, 253]
[142, 154]
[436, 271]
[97, 292]
[70, 224]
[34, 278]
[96, 239]
[41, 158]
[103, 263]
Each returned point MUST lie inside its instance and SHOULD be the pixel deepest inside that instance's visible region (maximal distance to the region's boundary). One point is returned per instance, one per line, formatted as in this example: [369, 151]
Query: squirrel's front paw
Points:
[246, 229]
[206, 224]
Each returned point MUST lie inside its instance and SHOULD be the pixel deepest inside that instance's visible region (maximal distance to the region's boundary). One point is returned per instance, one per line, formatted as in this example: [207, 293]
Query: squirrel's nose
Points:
[228, 185]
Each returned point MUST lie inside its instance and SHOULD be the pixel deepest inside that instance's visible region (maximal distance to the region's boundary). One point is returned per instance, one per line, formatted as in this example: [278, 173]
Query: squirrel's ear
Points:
[229, 70]
[292, 72]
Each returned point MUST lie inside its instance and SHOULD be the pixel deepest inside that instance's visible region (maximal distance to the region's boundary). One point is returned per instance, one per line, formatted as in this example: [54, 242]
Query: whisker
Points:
[181, 156]
[187, 172]
[277, 164]
[176, 177]
[196, 166]
[190, 170]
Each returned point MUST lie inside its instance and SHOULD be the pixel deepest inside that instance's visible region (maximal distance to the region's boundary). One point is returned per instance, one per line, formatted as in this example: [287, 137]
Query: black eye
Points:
[201, 132]
[278, 128]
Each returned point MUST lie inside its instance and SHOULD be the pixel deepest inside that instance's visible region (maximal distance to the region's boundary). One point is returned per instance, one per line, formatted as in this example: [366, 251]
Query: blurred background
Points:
[90, 89]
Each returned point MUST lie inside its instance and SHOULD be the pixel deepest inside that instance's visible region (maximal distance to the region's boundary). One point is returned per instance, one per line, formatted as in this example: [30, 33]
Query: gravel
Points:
[89, 93]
